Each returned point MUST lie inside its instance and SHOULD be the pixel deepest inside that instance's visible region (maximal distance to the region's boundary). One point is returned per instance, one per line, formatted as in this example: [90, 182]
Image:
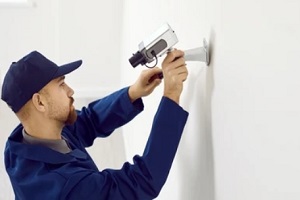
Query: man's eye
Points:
[62, 84]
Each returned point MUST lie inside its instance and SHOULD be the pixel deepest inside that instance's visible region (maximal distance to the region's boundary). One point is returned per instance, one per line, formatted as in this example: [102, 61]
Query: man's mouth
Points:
[71, 101]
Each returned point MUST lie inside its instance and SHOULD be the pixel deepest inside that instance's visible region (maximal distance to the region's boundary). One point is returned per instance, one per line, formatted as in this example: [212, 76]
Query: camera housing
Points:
[156, 45]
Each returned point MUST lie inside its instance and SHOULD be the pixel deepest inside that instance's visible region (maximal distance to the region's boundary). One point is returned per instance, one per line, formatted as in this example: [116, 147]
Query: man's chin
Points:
[72, 117]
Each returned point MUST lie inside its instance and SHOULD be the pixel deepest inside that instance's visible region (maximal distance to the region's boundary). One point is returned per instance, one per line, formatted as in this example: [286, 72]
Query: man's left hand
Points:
[145, 84]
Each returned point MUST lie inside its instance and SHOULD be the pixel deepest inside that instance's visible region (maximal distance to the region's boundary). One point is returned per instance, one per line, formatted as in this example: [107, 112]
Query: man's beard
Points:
[72, 114]
[66, 115]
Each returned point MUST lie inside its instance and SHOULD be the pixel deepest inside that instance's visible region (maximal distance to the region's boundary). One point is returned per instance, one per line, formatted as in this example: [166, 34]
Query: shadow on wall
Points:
[196, 156]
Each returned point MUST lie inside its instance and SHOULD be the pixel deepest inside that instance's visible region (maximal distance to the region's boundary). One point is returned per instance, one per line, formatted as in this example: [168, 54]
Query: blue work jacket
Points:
[40, 173]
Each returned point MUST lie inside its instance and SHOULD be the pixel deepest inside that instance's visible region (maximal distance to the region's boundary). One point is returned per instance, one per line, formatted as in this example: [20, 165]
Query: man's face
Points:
[59, 101]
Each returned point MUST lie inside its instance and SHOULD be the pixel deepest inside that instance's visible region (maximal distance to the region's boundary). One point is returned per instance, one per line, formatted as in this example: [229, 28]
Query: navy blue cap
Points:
[28, 76]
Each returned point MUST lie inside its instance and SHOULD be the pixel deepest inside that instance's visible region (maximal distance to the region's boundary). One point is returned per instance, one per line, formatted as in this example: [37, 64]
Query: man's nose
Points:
[70, 91]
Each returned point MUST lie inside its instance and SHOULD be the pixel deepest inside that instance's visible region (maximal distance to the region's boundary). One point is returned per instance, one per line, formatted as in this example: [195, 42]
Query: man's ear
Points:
[38, 102]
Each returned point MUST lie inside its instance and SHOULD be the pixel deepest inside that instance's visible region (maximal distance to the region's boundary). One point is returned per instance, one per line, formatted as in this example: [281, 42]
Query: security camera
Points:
[162, 41]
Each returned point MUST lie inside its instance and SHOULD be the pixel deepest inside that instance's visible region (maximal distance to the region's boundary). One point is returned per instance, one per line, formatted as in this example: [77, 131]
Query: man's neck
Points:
[44, 130]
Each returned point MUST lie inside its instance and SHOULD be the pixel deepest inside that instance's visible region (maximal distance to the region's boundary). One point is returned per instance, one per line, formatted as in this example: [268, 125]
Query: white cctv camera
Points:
[162, 41]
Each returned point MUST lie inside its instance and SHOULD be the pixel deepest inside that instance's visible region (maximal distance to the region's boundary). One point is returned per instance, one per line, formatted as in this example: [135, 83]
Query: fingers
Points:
[173, 55]
[183, 73]
[152, 74]
[151, 84]
[177, 67]
[154, 83]
[178, 63]
[180, 73]
[154, 71]
[155, 76]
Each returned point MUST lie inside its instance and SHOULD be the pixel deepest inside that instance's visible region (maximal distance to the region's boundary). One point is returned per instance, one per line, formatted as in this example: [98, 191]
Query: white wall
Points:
[255, 98]
[66, 31]
[242, 139]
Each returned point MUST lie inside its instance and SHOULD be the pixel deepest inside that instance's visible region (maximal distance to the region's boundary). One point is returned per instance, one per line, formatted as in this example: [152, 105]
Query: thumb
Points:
[153, 84]
[153, 74]
[153, 71]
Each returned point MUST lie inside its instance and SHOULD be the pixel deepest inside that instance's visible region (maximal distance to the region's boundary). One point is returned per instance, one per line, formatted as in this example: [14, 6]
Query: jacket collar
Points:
[40, 153]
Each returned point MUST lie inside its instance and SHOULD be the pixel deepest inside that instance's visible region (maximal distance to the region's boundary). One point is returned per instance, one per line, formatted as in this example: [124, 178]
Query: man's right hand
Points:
[175, 73]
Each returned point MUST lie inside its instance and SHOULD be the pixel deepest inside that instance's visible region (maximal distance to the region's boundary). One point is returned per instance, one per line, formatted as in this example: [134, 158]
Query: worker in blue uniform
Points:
[45, 155]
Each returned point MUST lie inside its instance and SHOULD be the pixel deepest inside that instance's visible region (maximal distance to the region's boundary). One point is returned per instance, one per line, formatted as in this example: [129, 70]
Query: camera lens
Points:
[137, 59]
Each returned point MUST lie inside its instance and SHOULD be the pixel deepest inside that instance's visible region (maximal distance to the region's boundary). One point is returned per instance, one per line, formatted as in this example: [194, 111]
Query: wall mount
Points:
[198, 54]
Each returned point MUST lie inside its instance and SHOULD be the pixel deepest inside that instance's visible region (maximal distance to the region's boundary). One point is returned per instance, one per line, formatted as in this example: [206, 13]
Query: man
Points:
[45, 155]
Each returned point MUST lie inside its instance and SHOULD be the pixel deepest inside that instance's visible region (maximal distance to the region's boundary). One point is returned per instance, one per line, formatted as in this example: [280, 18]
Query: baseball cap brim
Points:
[67, 68]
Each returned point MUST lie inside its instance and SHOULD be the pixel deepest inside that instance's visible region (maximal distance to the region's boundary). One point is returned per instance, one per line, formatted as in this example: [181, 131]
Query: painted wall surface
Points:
[66, 31]
[255, 108]
[242, 139]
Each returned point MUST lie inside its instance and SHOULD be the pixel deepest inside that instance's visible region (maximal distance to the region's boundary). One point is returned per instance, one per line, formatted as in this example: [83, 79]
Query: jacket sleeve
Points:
[144, 178]
[100, 118]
